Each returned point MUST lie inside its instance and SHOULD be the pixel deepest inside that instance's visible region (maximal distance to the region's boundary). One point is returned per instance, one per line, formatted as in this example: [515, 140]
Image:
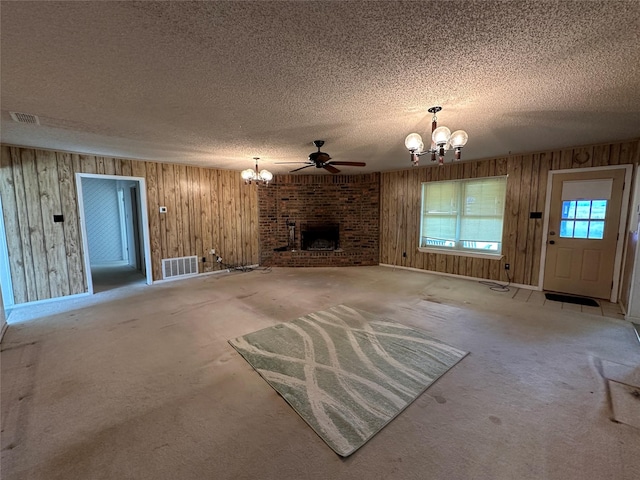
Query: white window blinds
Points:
[463, 214]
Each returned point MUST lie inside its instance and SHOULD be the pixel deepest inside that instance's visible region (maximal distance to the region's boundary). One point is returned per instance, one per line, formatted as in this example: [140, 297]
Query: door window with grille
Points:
[583, 219]
[584, 208]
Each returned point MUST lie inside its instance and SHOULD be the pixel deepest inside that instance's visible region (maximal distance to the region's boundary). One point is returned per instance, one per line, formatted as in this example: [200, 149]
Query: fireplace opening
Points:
[320, 237]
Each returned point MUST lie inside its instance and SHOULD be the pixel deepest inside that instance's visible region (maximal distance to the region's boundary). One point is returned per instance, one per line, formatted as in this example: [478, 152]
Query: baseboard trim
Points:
[48, 300]
[465, 277]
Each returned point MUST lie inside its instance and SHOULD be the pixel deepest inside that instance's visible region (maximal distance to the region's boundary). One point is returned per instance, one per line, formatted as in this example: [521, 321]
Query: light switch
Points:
[163, 209]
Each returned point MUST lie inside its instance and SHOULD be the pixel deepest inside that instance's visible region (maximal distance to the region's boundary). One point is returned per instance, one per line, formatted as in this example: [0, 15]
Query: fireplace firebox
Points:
[320, 237]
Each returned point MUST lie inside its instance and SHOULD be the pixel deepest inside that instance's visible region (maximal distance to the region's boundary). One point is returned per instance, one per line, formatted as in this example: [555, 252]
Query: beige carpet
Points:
[138, 383]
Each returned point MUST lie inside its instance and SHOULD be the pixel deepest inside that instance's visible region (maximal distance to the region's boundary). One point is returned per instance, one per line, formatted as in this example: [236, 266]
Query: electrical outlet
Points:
[204, 259]
[212, 251]
[507, 266]
[404, 254]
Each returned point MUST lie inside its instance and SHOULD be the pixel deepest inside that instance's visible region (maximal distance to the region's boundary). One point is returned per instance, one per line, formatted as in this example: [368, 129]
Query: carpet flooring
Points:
[346, 372]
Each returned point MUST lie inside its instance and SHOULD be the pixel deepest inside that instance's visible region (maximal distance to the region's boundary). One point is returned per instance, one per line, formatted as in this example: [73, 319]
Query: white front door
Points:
[582, 235]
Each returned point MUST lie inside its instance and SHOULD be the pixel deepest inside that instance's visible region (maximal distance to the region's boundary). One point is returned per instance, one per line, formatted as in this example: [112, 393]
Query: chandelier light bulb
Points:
[441, 136]
[413, 142]
[459, 139]
[247, 174]
[266, 175]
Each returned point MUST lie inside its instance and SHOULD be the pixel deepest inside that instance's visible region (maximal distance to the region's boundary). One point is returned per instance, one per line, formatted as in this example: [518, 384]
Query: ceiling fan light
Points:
[441, 135]
[459, 139]
[413, 142]
[247, 174]
[266, 175]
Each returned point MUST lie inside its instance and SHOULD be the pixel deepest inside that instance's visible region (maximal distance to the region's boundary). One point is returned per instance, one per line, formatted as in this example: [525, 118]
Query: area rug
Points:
[347, 372]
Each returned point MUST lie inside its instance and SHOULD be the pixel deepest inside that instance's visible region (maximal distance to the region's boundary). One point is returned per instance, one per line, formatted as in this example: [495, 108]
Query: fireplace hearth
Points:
[320, 237]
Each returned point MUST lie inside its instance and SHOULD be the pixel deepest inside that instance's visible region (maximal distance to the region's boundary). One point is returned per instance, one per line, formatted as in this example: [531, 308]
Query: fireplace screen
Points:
[322, 237]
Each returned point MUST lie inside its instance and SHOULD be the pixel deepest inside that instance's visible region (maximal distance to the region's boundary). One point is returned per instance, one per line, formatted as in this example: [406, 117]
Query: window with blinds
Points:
[464, 215]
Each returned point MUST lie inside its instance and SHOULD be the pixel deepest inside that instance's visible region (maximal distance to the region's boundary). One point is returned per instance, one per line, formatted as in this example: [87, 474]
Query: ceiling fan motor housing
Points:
[319, 158]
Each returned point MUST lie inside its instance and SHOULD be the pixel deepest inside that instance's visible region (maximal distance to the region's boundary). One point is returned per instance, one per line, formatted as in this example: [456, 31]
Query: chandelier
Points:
[250, 175]
[441, 140]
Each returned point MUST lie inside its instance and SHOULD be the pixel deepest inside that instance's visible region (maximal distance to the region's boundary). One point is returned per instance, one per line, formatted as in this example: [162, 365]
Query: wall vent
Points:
[24, 118]
[179, 267]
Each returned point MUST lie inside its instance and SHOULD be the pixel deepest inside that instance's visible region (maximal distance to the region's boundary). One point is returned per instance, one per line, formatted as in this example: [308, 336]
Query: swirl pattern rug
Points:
[346, 372]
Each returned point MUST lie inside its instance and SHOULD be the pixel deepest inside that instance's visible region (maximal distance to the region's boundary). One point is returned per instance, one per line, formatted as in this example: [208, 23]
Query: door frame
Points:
[144, 220]
[624, 211]
[6, 285]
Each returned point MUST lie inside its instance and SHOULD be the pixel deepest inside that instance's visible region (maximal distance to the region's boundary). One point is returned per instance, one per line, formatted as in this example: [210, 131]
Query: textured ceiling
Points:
[216, 83]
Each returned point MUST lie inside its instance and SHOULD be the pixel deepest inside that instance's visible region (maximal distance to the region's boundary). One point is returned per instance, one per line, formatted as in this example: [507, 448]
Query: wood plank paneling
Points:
[170, 195]
[138, 169]
[252, 206]
[12, 227]
[110, 166]
[31, 293]
[226, 203]
[195, 207]
[151, 169]
[532, 224]
[216, 240]
[71, 225]
[35, 223]
[179, 213]
[184, 224]
[205, 217]
[125, 168]
[244, 225]
[162, 202]
[50, 205]
[511, 215]
[520, 267]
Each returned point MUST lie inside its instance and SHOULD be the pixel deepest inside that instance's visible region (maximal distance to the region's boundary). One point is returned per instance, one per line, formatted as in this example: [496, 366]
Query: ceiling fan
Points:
[322, 160]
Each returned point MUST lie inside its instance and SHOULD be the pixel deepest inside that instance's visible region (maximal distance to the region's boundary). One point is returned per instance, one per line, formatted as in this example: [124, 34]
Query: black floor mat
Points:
[556, 297]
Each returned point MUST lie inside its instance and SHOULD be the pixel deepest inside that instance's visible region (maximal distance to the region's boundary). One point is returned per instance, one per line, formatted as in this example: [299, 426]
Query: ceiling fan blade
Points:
[286, 163]
[306, 166]
[353, 164]
[330, 168]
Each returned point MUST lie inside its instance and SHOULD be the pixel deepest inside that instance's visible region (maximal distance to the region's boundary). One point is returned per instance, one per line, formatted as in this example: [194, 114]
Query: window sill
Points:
[461, 253]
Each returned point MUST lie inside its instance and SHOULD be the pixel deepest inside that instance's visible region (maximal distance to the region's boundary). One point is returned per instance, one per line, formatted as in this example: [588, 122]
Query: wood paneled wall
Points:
[526, 192]
[206, 209]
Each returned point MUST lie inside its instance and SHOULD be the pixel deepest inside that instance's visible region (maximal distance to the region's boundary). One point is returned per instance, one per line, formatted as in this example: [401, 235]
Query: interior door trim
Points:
[624, 211]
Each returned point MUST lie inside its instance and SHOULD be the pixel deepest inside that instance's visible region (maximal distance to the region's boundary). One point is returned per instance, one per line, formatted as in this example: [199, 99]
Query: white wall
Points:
[102, 214]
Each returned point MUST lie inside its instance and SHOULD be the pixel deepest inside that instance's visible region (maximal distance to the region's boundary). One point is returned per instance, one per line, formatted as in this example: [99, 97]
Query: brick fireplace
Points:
[319, 220]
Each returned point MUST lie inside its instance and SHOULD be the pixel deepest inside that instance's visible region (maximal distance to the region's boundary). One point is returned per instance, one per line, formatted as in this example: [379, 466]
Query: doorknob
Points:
[552, 242]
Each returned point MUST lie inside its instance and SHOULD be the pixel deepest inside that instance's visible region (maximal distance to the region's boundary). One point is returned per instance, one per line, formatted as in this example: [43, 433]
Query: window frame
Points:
[457, 249]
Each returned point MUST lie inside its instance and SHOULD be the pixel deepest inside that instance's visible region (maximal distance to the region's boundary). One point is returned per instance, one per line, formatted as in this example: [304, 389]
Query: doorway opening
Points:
[114, 226]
